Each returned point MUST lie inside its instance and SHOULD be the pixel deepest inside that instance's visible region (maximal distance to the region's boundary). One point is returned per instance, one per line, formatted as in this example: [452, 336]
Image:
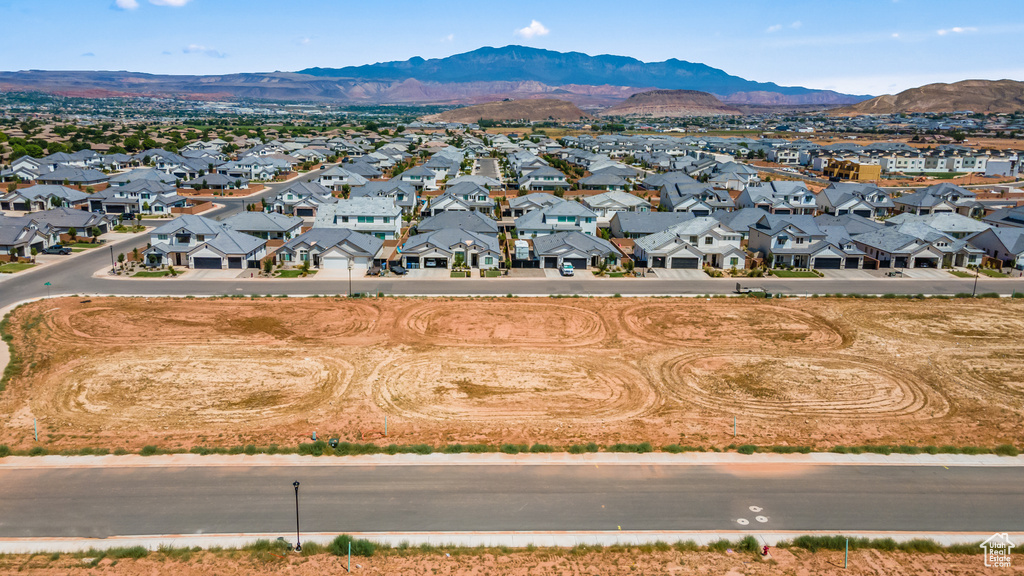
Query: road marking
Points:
[742, 521]
[756, 509]
[761, 519]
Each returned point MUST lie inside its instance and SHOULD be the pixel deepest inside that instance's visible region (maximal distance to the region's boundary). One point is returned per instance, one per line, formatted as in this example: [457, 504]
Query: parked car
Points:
[567, 269]
[397, 269]
[57, 249]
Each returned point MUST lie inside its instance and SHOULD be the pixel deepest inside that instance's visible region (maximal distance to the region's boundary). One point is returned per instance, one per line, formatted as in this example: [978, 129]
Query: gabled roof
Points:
[615, 197]
[325, 238]
[191, 223]
[887, 239]
[142, 174]
[534, 198]
[448, 237]
[40, 191]
[461, 219]
[417, 171]
[687, 228]
[851, 222]
[302, 188]
[648, 222]
[262, 222]
[229, 241]
[573, 240]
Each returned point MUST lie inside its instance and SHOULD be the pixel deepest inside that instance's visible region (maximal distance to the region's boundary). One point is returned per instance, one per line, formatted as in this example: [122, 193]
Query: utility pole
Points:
[298, 544]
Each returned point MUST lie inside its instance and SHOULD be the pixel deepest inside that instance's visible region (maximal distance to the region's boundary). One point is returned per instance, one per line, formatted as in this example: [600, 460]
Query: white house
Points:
[380, 217]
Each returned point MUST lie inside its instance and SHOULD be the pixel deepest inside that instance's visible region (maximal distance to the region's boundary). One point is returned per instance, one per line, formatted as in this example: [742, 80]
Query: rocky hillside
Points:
[532, 110]
[670, 104]
[989, 96]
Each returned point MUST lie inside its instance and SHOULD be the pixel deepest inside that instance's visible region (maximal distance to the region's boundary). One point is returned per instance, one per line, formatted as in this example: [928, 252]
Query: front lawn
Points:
[993, 273]
[492, 273]
[294, 273]
[12, 267]
[961, 274]
[794, 274]
[458, 274]
[151, 274]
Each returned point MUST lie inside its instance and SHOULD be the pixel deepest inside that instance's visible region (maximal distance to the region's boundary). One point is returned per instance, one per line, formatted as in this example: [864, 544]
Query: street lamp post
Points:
[298, 544]
[349, 277]
[111, 259]
[977, 272]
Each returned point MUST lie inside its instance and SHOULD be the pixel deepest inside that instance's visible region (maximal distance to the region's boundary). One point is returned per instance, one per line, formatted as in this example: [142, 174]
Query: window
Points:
[709, 240]
[161, 236]
[364, 219]
[799, 240]
[734, 261]
[488, 260]
[693, 239]
[387, 220]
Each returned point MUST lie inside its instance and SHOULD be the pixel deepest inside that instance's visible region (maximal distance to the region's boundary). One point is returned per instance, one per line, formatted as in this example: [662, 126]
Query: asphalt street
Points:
[98, 502]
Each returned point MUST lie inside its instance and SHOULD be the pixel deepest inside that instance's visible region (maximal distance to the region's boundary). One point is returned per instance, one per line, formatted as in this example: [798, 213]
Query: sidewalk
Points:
[500, 459]
[468, 539]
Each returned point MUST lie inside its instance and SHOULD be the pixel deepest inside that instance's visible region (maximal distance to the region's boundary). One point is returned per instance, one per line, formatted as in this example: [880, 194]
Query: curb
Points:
[467, 539]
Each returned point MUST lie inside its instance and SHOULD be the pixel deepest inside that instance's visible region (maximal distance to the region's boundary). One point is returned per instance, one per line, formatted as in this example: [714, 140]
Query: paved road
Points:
[135, 501]
[488, 167]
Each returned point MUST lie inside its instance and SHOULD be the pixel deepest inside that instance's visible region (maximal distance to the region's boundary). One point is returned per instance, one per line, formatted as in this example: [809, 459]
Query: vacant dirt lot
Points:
[521, 563]
[819, 372]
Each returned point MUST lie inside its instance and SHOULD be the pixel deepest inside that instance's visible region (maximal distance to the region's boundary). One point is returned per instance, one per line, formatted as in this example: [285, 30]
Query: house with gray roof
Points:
[519, 205]
[698, 199]
[403, 193]
[560, 217]
[779, 197]
[639, 224]
[73, 176]
[303, 199]
[895, 249]
[42, 197]
[1005, 244]
[1009, 217]
[462, 197]
[604, 181]
[659, 181]
[463, 220]
[333, 249]
[63, 219]
[861, 199]
[739, 220]
[576, 248]
[197, 242]
[798, 241]
[380, 217]
[691, 244]
[421, 177]
[950, 223]
[608, 204]
[441, 248]
[20, 235]
[336, 178]
[543, 179]
[265, 225]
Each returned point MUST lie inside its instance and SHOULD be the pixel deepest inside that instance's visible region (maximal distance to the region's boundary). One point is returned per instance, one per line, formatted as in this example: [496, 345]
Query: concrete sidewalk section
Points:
[467, 539]
[500, 459]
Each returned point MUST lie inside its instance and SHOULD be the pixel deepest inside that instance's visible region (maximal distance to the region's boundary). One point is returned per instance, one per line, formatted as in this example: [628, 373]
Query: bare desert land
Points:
[127, 372]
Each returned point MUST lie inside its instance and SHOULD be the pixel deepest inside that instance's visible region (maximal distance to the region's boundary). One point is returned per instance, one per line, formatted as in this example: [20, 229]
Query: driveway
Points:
[193, 274]
[927, 273]
[677, 274]
[429, 273]
[853, 274]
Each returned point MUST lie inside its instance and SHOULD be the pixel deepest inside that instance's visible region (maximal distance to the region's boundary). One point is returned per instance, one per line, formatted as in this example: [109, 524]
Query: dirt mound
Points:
[671, 104]
[538, 110]
[987, 96]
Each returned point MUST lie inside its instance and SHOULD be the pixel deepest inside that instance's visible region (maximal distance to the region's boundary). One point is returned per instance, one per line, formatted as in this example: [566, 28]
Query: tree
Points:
[459, 261]
[346, 190]
[34, 252]
[145, 206]
[132, 143]
[95, 233]
[120, 259]
[268, 265]
[73, 233]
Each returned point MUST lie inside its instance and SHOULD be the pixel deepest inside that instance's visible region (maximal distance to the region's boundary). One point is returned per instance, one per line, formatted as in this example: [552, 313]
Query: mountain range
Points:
[986, 96]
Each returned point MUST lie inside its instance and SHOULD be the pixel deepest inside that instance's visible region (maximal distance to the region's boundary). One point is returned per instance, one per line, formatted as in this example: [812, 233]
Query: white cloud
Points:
[774, 28]
[534, 29]
[796, 24]
[895, 34]
[199, 49]
[304, 41]
[126, 4]
[175, 3]
[956, 30]
[448, 38]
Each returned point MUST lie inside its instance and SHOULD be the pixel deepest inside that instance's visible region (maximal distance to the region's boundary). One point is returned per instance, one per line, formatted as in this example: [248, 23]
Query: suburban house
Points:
[950, 223]
[72, 176]
[779, 197]
[441, 248]
[1011, 217]
[608, 204]
[640, 224]
[403, 193]
[519, 205]
[420, 177]
[20, 235]
[604, 181]
[739, 220]
[944, 197]
[561, 217]
[216, 181]
[798, 241]
[142, 174]
[898, 247]
[198, 242]
[332, 249]
[380, 217]
[698, 199]
[62, 220]
[544, 178]
[692, 244]
[302, 199]
[865, 200]
[1005, 244]
[576, 248]
[472, 221]
[265, 225]
[462, 197]
[138, 197]
[42, 197]
[336, 178]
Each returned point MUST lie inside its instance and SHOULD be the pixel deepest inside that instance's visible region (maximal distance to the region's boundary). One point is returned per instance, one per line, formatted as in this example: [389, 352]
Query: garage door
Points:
[234, 261]
[577, 263]
[206, 263]
[22, 206]
[303, 211]
[828, 263]
[550, 262]
[334, 263]
[687, 263]
[864, 213]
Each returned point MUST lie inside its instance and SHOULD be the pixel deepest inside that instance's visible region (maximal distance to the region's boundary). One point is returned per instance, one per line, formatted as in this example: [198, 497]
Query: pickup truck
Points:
[57, 249]
[567, 269]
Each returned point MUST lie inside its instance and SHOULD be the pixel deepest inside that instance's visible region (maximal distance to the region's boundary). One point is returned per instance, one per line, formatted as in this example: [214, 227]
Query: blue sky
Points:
[863, 46]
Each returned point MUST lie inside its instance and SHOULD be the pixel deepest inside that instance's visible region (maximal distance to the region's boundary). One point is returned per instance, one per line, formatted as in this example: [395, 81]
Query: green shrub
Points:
[250, 449]
[5, 450]
[37, 451]
[677, 449]
[453, 449]
[633, 448]
[541, 448]
[120, 452]
[514, 448]
[313, 448]
[148, 450]
[592, 447]
[131, 552]
[748, 544]
[720, 545]
[687, 546]
[360, 547]
[1002, 450]
[477, 448]
[747, 449]
[791, 449]
[989, 295]
[574, 449]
